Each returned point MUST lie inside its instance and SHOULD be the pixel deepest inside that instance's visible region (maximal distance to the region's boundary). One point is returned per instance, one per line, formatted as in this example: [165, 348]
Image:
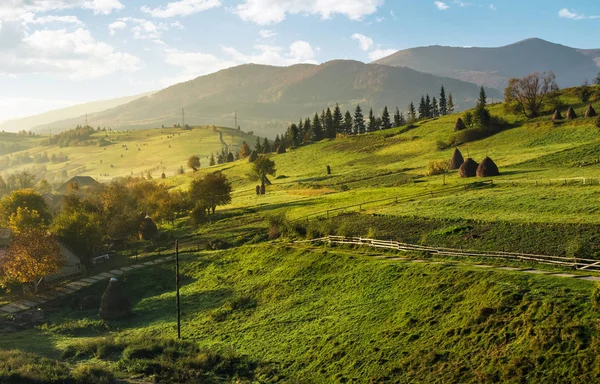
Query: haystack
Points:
[114, 304]
[557, 116]
[148, 230]
[457, 159]
[468, 168]
[590, 111]
[280, 149]
[571, 114]
[459, 125]
[487, 168]
[253, 157]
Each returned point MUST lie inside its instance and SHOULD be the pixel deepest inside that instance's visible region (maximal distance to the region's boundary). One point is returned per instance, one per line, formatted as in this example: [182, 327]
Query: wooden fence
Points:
[395, 200]
[570, 262]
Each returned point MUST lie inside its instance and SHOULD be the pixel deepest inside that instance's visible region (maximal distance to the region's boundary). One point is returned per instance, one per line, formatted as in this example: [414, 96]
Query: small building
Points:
[53, 201]
[73, 266]
[77, 183]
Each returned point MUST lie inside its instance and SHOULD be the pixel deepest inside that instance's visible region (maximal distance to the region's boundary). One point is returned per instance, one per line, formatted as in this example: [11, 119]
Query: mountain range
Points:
[267, 98]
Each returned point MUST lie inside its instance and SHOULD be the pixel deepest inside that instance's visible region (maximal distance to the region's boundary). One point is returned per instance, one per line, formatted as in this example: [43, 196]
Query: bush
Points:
[441, 145]
[437, 167]
[18, 367]
[93, 374]
[595, 298]
[497, 125]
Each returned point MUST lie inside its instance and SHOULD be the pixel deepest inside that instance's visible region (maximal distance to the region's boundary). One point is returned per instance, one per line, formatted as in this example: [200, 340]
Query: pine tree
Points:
[307, 136]
[422, 108]
[300, 127]
[293, 136]
[386, 123]
[329, 127]
[450, 104]
[412, 113]
[348, 123]
[277, 142]
[317, 128]
[372, 125]
[482, 116]
[443, 102]
[266, 147]
[212, 160]
[337, 119]
[402, 120]
[359, 121]
[397, 118]
[482, 102]
[257, 147]
[428, 107]
[435, 110]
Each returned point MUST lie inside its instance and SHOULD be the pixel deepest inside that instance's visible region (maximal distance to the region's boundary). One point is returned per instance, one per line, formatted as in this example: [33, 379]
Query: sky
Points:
[57, 53]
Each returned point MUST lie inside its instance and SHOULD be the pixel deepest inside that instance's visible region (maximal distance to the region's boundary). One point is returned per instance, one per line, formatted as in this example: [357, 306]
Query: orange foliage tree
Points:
[32, 255]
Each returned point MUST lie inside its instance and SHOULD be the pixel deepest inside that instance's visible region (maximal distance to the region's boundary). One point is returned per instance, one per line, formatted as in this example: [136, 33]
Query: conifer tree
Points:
[482, 116]
[329, 127]
[300, 127]
[402, 120]
[443, 102]
[397, 118]
[372, 125]
[359, 121]
[258, 147]
[348, 123]
[307, 133]
[482, 102]
[435, 110]
[450, 103]
[317, 128]
[277, 142]
[386, 122]
[337, 119]
[293, 136]
[266, 147]
[412, 113]
[422, 108]
[428, 107]
[212, 160]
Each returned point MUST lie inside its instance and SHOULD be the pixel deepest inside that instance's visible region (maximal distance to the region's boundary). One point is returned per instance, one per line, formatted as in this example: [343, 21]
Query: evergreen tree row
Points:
[431, 107]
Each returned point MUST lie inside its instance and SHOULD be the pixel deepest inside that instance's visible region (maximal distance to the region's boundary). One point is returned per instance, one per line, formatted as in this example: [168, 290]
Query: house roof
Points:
[81, 181]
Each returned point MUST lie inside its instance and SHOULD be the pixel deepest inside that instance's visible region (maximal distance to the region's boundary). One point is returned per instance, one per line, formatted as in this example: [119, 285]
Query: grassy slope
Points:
[337, 315]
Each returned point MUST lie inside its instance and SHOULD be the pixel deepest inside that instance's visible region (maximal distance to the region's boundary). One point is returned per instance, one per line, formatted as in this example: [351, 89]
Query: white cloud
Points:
[380, 53]
[116, 26]
[15, 107]
[573, 15]
[29, 18]
[196, 64]
[181, 8]
[365, 43]
[75, 53]
[142, 29]
[11, 10]
[380, 19]
[267, 33]
[177, 25]
[459, 3]
[441, 5]
[264, 12]
[103, 7]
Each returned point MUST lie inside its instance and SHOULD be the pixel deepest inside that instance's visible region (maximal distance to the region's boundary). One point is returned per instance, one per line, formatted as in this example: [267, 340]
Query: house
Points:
[54, 202]
[73, 266]
[77, 183]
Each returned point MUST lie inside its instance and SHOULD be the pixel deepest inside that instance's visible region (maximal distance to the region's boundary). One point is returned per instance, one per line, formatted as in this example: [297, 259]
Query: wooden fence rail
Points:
[571, 262]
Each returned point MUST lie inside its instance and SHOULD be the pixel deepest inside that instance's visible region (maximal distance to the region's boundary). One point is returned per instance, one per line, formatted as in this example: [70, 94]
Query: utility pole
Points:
[177, 286]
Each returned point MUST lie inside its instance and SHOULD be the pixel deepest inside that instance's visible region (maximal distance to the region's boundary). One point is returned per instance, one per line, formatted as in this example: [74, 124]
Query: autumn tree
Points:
[193, 163]
[245, 150]
[24, 198]
[32, 255]
[211, 191]
[262, 168]
[527, 95]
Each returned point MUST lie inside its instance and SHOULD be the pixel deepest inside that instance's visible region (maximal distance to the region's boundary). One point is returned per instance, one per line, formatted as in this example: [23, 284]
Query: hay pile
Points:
[114, 304]
[571, 115]
[457, 160]
[468, 168]
[487, 168]
[253, 157]
[459, 125]
[590, 111]
[148, 229]
[557, 116]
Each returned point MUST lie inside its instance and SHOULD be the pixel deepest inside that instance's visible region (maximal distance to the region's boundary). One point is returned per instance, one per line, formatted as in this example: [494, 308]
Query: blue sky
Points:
[62, 52]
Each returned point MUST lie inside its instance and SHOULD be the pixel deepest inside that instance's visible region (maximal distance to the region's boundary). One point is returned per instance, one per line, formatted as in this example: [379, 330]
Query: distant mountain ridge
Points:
[38, 121]
[267, 98]
[492, 67]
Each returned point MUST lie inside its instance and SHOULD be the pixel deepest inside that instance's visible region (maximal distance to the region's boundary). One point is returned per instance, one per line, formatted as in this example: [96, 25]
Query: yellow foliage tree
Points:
[24, 219]
[32, 255]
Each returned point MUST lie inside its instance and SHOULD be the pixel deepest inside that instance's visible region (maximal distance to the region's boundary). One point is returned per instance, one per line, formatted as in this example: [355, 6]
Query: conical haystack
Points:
[148, 230]
[557, 116]
[281, 149]
[114, 304]
[487, 168]
[590, 111]
[459, 125]
[571, 114]
[457, 159]
[253, 156]
[468, 168]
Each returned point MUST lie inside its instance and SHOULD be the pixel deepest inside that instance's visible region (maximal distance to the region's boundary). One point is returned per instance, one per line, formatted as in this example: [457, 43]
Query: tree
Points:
[43, 186]
[372, 126]
[443, 102]
[527, 95]
[337, 120]
[293, 135]
[257, 146]
[307, 133]
[24, 219]
[468, 119]
[450, 104]
[266, 146]
[428, 107]
[435, 109]
[330, 129]
[212, 160]
[193, 162]
[230, 158]
[245, 150]
[25, 180]
[482, 116]
[397, 118]
[211, 191]
[317, 128]
[24, 198]
[80, 229]
[359, 121]
[32, 255]
[386, 122]
[412, 113]
[261, 168]
[348, 123]
[3, 187]
[597, 78]
[422, 108]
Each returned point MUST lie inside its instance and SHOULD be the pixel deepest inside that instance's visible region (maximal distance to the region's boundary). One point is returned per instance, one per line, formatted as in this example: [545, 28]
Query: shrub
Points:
[441, 145]
[437, 167]
[93, 374]
[18, 367]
